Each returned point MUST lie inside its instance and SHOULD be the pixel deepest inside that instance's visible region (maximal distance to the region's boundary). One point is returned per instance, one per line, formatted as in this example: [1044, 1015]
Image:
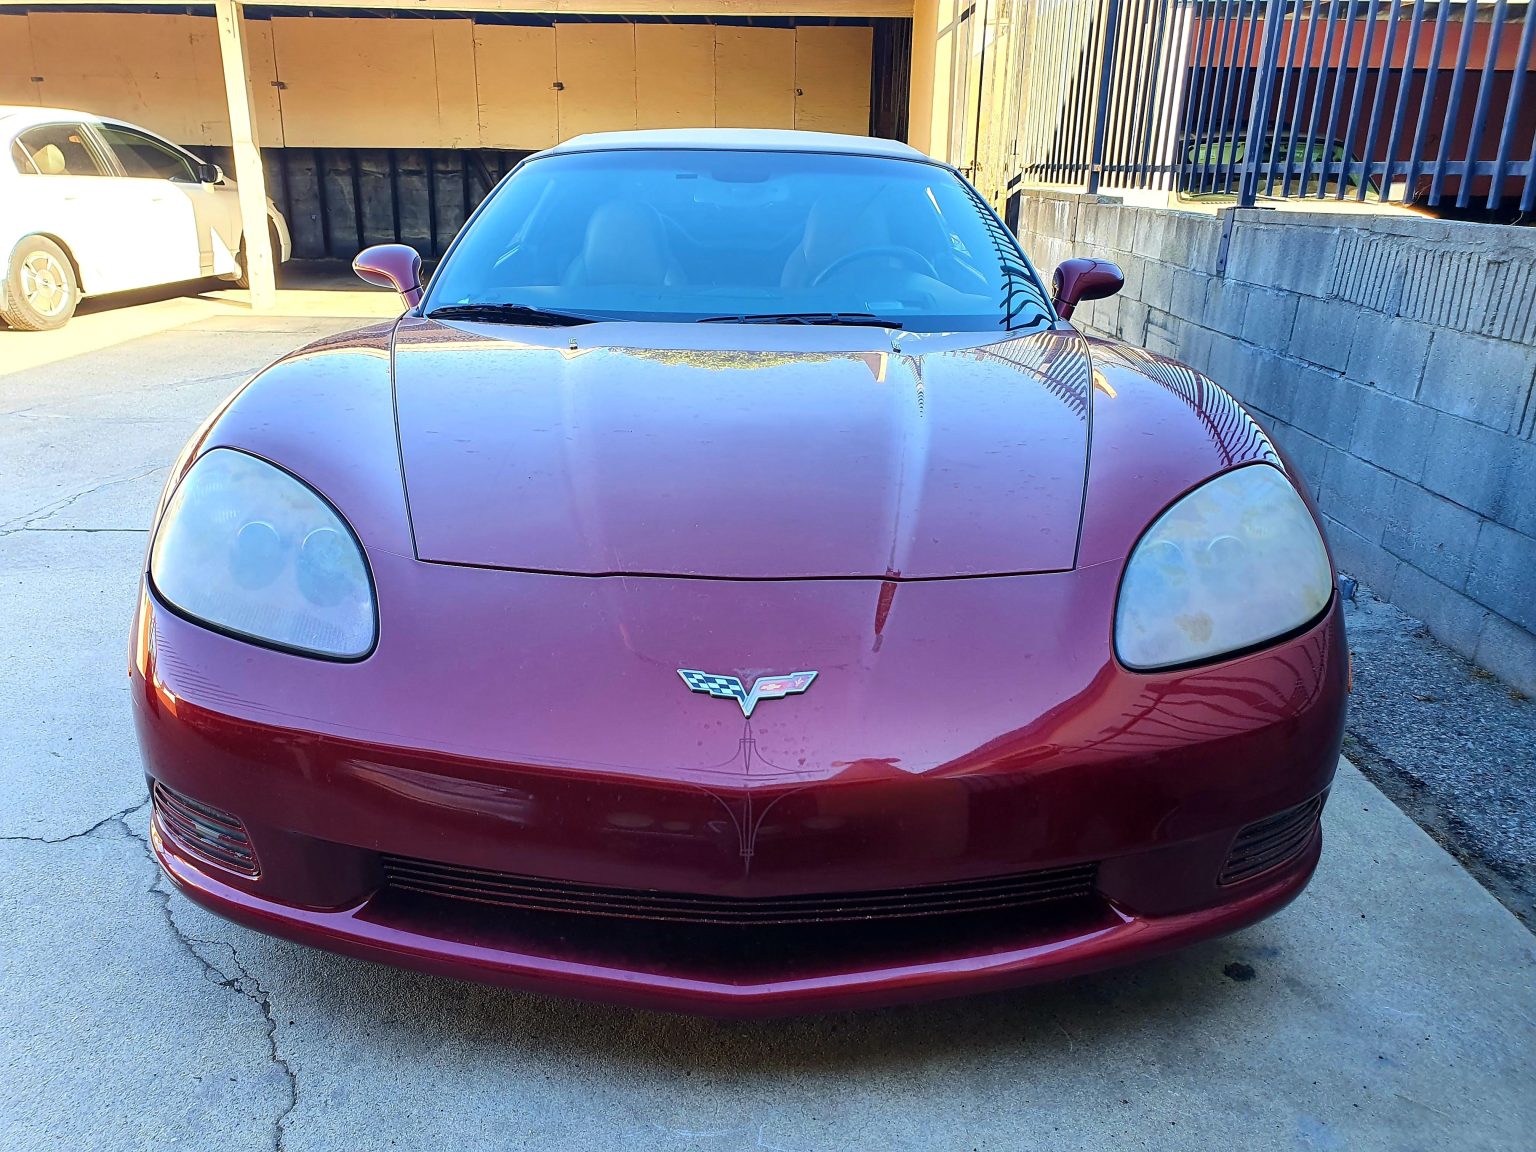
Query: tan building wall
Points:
[965, 103]
[440, 83]
[927, 110]
[157, 69]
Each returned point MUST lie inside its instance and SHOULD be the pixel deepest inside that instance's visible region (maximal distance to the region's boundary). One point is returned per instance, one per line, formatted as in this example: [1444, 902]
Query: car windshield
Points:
[688, 235]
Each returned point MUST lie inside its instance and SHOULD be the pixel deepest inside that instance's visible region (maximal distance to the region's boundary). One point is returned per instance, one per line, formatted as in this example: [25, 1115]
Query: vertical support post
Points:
[923, 91]
[249, 176]
[1106, 80]
[1258, 110]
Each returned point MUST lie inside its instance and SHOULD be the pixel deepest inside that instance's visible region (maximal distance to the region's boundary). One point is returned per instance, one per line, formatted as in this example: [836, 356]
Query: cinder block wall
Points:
[1393, 357]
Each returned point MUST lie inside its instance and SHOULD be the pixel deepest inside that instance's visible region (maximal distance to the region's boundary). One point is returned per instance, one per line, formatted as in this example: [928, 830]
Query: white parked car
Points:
[89, 205]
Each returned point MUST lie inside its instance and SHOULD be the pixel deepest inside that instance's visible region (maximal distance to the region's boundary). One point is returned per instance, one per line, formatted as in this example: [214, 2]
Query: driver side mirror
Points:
[209, 173]
[1083, 278]
[396, 266]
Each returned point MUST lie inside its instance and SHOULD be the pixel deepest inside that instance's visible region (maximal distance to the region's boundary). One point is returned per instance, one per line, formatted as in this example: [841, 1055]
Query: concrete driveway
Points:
[1392, 1007]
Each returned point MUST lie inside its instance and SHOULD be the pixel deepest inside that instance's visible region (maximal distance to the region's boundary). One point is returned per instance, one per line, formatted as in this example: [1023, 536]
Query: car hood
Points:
[809, 453]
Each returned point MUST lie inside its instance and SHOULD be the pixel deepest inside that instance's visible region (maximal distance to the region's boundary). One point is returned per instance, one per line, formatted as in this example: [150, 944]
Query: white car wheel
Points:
[39, 291]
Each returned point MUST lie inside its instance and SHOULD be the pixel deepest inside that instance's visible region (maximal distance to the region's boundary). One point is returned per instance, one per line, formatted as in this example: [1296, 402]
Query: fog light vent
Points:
[1270, 842]
[205, 831]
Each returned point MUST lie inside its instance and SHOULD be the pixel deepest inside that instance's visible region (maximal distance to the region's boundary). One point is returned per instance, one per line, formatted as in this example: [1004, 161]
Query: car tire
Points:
[39, 291]
[242, 277]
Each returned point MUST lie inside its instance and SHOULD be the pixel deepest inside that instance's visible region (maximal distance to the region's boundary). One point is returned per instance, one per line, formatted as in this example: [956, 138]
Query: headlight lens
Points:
[1236, 562]
[246, 548]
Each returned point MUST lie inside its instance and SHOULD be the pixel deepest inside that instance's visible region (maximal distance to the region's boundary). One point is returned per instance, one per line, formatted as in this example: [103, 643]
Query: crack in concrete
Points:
[31, 520]
[87, 531]
[243, 983]
[218, 377]
[260, 997]
[120, 815]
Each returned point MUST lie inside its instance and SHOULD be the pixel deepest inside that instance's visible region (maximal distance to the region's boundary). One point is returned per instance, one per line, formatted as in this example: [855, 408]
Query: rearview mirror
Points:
[396, 266]
[209, 173]
[1083, 278]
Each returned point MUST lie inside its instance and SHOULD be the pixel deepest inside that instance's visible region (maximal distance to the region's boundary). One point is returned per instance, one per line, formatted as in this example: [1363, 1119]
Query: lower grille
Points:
[205, 831]
[532, 894]
[1270, 842]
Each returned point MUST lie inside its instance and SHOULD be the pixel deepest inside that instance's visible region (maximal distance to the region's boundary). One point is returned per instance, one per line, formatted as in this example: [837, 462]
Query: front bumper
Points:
[541, 964]
[870, 783]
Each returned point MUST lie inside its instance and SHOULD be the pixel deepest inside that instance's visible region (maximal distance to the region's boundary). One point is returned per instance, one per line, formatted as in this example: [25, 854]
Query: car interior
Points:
[728, 233]
[53, 150]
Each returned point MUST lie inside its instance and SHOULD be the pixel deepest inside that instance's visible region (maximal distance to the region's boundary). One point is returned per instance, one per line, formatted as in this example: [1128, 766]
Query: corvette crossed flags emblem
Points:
[730, 688]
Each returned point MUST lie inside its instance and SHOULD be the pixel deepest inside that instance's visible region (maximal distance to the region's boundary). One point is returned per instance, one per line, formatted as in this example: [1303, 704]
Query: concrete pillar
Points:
[249, 175]
[931, 99]
[925, 26]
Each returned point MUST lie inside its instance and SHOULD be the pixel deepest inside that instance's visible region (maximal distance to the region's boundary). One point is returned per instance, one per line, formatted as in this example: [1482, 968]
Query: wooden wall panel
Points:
[161, 71]
[675, 76]
[376, 83]
[453, 49]
[755, 77]
[16, 72]
[596, 65]
[442, 83]
[832, 79]
[265, 100]
[210, 77]
[516, 71]
[144, 67]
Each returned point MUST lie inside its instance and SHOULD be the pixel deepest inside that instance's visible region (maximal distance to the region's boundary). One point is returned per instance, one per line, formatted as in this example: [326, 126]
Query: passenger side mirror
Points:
[1083, 278]
[396, 266]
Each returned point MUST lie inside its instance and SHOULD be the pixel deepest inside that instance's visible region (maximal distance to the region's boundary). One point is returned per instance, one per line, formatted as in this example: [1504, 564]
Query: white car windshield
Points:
[680, 235]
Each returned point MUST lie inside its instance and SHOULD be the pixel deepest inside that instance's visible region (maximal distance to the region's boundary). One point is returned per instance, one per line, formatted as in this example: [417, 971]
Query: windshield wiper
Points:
[866, 319]
[511, 314]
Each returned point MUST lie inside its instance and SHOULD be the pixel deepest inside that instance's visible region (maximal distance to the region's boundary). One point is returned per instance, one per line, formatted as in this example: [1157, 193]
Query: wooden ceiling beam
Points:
[859, 8]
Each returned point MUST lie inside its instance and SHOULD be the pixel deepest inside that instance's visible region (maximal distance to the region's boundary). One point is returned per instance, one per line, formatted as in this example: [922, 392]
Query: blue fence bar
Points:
[1378, 102]
[1453, 105]
[1489, 71]
[1354, 101]
[1527, 51]
[1423, 102]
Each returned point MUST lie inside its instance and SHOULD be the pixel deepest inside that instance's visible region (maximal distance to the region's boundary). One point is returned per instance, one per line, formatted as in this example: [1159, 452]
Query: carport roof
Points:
[740, 140]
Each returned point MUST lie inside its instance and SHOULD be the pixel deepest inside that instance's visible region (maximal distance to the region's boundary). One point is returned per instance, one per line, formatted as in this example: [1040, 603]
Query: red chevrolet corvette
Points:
[734, 586]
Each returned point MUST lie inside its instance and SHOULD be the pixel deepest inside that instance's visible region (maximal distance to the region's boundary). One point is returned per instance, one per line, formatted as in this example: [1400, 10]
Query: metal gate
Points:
[1401, 100]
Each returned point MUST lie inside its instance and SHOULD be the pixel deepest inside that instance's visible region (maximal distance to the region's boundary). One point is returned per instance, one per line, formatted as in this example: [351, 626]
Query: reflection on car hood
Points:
[809, 453]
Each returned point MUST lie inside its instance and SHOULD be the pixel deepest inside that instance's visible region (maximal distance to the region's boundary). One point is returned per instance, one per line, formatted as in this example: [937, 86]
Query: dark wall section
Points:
[890, 79]
[340, 200]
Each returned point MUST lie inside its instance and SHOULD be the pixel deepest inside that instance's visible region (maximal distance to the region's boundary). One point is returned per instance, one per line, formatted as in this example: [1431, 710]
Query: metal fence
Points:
[1431, 103]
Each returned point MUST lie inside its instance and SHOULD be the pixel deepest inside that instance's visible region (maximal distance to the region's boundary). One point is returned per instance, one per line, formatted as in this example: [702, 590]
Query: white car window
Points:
[54, 150]
[144, 156]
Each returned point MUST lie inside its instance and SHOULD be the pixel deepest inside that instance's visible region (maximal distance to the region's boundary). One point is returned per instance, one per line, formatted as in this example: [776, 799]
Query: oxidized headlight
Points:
[248, 549]
[1236, 562]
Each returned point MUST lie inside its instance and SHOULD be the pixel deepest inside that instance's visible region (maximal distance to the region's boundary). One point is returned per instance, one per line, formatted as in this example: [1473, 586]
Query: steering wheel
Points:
[915, 261]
